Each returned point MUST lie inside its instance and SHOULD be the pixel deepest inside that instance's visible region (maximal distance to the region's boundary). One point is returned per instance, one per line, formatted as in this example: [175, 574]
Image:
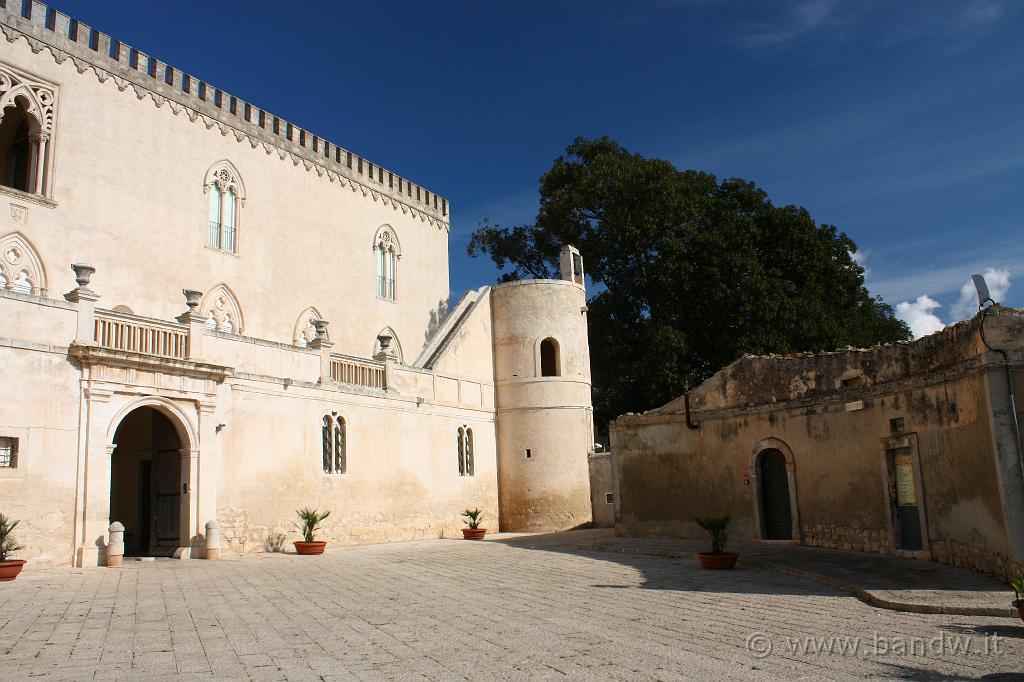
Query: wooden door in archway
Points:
[775, 508]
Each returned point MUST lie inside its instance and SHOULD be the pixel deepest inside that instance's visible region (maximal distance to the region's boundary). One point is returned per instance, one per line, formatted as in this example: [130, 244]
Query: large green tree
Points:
[688, 273]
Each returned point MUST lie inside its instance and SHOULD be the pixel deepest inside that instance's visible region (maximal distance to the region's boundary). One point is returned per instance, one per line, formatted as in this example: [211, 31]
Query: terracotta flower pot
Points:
[717, 562]
[315, 547]
[1019, 605]
[10, 569]
[473, 533]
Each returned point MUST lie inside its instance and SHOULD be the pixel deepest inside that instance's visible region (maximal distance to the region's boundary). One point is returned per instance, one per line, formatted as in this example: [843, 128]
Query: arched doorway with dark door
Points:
[775, 498]
[146, 483]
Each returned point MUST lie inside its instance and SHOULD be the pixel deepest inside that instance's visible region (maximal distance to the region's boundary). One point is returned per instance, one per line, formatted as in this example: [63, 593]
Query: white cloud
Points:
[998, 280]
[861, 258]
[919, 316]
[803, 17]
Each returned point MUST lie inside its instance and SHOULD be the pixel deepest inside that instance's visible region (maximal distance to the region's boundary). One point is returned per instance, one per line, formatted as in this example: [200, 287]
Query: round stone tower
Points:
[545, 425]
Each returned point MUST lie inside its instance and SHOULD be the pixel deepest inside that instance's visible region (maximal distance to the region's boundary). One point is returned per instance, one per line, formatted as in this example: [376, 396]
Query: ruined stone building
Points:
[911, 449]
[255, 322]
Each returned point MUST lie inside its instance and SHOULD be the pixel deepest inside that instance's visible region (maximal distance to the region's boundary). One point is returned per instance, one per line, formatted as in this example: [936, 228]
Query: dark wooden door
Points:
[166, 501]
[778, 517]
[905, 497]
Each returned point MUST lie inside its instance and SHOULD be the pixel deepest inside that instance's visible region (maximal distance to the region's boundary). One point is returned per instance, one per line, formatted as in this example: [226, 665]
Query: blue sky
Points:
[901, 123]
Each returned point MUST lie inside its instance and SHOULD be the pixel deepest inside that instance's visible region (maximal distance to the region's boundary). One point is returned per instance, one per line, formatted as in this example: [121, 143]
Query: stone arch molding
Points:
[224, 175]
[386, 238]
[187, 432]
[38, 98]
[304, 330]
[20, 266]
[221, 309]
[772, 443]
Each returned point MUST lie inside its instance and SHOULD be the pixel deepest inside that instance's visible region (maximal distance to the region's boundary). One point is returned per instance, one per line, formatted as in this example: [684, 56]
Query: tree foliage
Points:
[687, 272]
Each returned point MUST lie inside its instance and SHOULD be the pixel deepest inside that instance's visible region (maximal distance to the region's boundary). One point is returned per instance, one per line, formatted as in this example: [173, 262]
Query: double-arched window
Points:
[335, 442]
[387, 252]
[226, 195]
[26, 125]
[467, 465]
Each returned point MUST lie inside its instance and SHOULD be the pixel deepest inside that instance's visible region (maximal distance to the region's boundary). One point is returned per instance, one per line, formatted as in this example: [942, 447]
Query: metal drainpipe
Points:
[1009, 391]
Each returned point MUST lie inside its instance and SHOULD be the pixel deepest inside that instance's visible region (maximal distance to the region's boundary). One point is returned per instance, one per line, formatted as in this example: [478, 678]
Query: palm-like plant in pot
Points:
[473, 531]
[311, 520]
[717, 559]
[1018, 589]
[9, 568]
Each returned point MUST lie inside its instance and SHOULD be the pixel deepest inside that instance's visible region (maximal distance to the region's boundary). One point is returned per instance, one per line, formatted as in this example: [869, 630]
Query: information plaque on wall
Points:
[906, 496]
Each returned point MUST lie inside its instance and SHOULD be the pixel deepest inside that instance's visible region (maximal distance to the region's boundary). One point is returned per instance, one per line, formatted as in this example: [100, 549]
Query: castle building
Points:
[210, 317]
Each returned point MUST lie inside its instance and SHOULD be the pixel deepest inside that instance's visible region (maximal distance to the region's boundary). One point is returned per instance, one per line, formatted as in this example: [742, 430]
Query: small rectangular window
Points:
[609, 498]
[8, 453]
[529, 453]
[897, 425]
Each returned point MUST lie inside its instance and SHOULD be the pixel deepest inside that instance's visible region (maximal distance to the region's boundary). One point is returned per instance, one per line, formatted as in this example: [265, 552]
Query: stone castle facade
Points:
[256, 321]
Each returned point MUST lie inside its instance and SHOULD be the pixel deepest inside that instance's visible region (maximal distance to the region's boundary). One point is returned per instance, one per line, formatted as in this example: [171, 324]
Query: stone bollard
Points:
[212, 540]
[115, 545]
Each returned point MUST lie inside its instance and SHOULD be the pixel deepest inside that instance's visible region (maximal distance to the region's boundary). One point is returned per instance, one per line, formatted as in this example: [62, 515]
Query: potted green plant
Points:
[473, 531]
[717, 559]
[9, 568]
[1018, 590]
[311, 520]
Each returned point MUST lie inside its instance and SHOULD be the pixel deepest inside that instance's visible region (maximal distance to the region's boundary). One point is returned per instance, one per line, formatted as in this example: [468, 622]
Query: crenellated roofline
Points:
[88, 48]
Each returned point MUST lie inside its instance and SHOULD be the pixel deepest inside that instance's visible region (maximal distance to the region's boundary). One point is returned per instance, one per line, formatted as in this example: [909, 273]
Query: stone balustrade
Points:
[118, 331]
[367, 373]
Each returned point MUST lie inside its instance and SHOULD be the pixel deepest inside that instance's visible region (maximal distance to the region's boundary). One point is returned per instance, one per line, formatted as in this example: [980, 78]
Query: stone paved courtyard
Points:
[448, 609]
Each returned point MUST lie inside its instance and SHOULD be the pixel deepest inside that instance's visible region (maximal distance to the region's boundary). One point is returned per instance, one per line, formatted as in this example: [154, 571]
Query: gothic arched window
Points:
[26, 124]
[387, 252]
[221, 309]
[334, 444]
[21, 269]
[226, 194]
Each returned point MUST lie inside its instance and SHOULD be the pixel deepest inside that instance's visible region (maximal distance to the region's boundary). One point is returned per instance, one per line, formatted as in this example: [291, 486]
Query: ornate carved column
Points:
[41, 141]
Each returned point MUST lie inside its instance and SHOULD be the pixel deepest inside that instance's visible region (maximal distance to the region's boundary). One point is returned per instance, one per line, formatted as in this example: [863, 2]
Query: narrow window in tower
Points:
[470, 464]
[549, 358]
[529, 453]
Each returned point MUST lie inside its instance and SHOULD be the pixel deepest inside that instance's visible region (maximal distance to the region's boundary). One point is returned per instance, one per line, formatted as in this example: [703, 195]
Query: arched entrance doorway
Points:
[773, 479]
[146, 483]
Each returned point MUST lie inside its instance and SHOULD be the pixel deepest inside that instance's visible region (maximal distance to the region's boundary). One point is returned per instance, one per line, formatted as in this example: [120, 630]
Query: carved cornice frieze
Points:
[194, 369]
